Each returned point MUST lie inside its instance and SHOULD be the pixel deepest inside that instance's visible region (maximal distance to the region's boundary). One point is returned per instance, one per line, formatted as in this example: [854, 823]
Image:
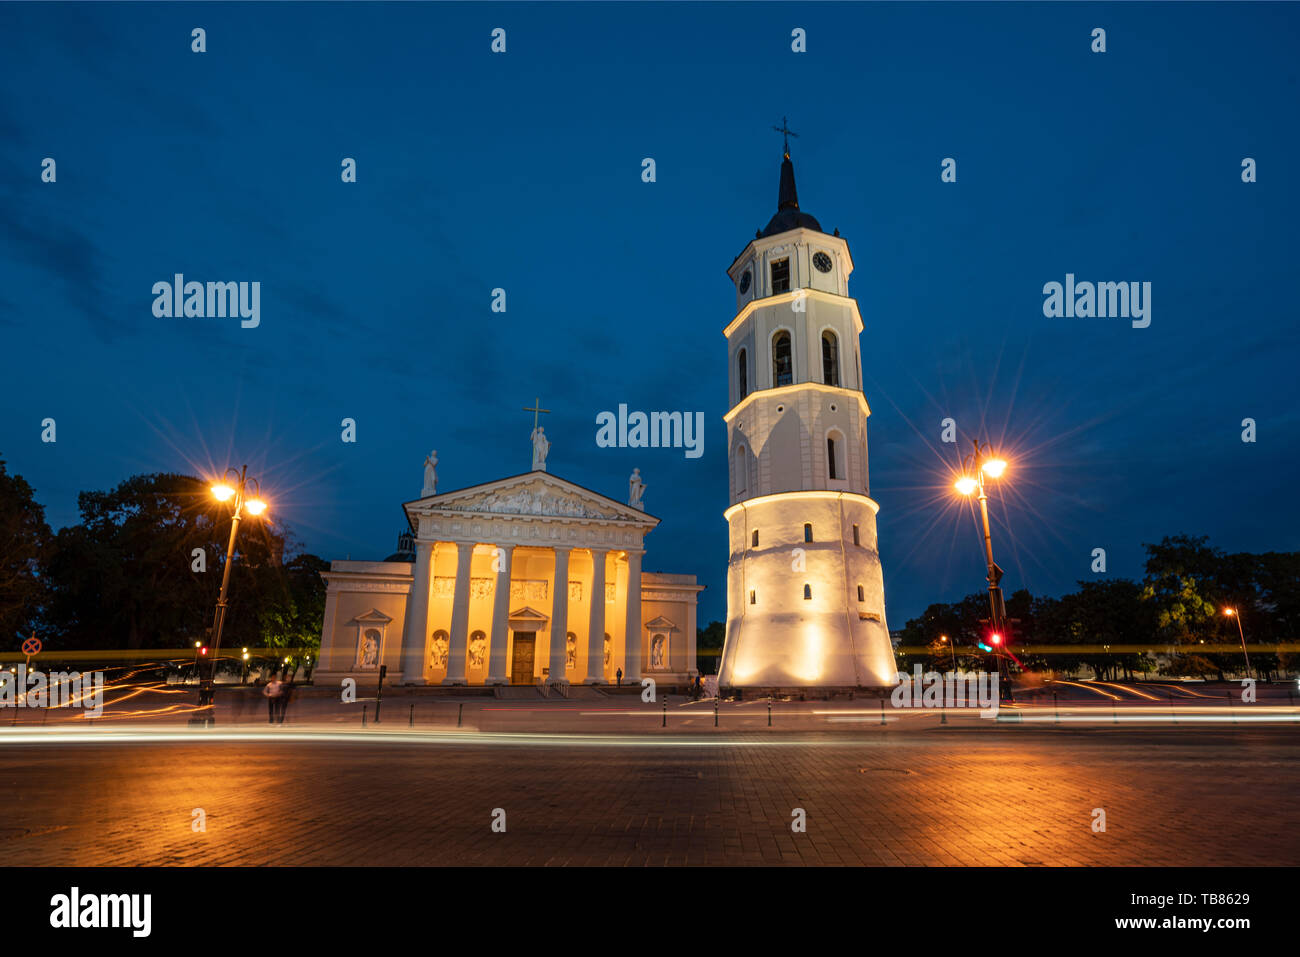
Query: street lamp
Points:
[236, 486]
[975, 467]
[943, 640]
[1232, 613]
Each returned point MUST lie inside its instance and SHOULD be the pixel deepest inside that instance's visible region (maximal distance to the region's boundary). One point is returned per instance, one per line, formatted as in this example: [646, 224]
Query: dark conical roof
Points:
[788, 215]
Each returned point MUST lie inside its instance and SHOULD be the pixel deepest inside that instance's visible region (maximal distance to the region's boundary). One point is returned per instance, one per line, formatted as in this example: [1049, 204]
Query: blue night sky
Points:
[522, 171]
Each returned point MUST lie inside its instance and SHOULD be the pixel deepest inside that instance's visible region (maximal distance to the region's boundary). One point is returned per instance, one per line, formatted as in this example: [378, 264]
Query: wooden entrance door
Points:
[521, 661]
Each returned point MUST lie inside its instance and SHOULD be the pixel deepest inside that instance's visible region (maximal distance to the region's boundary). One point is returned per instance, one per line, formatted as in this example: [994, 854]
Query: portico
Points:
[527, 580]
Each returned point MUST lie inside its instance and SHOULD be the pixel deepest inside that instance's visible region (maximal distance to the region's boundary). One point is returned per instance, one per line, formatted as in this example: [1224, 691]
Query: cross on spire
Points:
[786, 133]
[535, 409]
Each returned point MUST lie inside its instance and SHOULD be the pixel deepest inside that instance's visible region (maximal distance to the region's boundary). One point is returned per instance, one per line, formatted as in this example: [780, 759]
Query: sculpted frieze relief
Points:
[386, 587]
[521, 589]
[531, 500]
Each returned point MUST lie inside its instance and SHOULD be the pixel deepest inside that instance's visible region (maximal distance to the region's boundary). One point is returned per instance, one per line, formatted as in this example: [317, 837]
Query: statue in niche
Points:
[430, 475]
[635, 489]
[541, 446]
[571, 649]
[440, 649]
[657, 652]
[477, 645]
[609, 650]
[369, 656]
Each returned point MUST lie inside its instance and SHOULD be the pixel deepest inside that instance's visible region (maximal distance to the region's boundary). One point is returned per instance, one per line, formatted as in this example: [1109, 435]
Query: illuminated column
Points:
[560, 619]
[459, 616]
[596, 625]
[500, 617]
[632, 625]
[415, 636]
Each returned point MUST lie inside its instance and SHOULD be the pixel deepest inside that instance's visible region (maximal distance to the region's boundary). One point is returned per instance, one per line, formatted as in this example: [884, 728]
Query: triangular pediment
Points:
[373, 617]
[660, 624]
[529, 615]
[534, 494]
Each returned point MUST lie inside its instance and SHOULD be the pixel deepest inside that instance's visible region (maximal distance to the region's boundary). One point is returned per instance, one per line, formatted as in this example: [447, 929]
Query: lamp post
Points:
[980, 463]
[943, 640]
[1232, 613]
[237, 488]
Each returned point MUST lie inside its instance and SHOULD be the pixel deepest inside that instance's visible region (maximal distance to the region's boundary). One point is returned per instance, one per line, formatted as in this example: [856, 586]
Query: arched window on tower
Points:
[835, 456]
[782, 361]
[742, 374]
[830, 359]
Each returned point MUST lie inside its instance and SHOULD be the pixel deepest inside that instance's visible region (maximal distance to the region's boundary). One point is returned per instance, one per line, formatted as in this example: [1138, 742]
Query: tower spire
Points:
[787, 197]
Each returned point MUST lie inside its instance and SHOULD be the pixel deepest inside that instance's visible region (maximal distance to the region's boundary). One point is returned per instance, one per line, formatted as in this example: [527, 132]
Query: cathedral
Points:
[529, 580]
[805, 594]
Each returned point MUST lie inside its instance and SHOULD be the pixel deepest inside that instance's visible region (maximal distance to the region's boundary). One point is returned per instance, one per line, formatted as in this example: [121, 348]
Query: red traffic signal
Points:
[995, 638]
[203, 650]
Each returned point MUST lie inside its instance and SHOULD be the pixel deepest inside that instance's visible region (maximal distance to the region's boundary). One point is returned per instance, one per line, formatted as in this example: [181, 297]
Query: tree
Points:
[1181, 581]
[24, 546]
[709, 640]
[125, 577]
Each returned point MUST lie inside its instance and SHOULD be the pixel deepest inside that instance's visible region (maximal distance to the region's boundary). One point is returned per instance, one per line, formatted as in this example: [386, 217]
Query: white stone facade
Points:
[525, 580]
[805, 595]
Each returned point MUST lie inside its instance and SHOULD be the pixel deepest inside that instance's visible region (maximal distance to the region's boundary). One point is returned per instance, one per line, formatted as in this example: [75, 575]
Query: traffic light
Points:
[204, 651]
[995, 638]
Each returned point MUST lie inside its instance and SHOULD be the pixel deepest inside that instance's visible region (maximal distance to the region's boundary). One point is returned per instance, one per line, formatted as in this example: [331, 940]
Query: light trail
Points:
[1140, 694]
[1088, 687]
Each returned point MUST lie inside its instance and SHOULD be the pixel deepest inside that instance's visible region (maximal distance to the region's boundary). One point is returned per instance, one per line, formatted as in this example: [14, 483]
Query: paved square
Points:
[1017, 795]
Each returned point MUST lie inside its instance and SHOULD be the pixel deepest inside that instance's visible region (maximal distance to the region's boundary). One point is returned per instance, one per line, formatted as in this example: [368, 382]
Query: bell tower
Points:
[805, 595]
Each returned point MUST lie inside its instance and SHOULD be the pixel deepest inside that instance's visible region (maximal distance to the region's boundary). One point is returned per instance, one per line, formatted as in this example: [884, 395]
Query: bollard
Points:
[665, 724]
[1114, 714]
[769, 711]
[411, 723]
[943, 715]
[363, 714]
[715, 712]
[377, 700]
[460, 709]
[882, 711]
[1056, 707]
[1171, 708]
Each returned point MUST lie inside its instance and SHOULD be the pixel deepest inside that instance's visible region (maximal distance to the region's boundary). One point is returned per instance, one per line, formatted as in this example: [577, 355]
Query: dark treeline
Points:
[123, 577]
[1179, 603]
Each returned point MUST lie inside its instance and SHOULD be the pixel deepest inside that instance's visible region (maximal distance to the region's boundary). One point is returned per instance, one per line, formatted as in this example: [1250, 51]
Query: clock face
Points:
[744, 282]
[822, 262]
